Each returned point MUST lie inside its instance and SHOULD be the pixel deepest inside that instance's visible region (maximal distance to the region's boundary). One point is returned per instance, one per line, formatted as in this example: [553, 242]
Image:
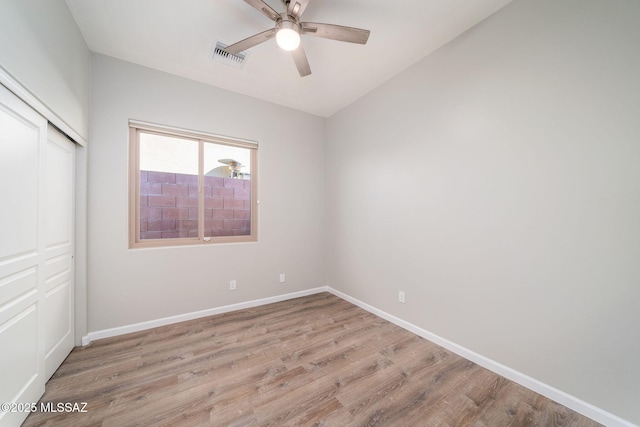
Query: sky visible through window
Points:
[177, 155]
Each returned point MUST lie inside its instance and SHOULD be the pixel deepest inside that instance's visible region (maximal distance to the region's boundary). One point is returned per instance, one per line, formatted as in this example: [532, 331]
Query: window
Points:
[190, 188]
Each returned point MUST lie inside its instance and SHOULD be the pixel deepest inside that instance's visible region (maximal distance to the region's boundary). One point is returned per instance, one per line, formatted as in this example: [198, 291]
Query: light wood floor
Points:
[312, 361]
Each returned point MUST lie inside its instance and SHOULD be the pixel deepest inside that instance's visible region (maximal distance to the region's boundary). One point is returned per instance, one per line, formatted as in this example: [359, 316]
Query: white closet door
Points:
[22, 136]
[36, 254]
[58, 238]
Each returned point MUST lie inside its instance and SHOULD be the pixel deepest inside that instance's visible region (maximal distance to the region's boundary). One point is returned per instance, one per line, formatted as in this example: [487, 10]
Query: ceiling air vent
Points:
[236, 61]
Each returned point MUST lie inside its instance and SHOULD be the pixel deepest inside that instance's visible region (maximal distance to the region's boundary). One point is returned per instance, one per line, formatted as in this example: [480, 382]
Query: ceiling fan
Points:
[288, 29]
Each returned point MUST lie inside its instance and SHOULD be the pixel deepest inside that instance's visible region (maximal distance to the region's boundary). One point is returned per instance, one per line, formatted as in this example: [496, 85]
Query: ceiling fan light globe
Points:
[287, 37]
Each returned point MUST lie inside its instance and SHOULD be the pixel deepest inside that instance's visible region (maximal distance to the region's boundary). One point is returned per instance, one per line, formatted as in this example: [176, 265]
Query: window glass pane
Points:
[227, 190]
[168, 187]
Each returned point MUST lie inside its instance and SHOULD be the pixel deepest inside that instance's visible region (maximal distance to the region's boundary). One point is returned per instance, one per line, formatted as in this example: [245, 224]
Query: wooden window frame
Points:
[137, 127]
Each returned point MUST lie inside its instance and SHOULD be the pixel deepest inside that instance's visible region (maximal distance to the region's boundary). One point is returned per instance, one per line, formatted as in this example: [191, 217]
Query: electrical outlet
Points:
[232, 285]
[281, 277]
[401, 296]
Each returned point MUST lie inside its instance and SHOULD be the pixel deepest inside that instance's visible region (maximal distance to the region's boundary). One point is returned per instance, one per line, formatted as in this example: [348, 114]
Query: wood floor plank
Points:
[311, 361]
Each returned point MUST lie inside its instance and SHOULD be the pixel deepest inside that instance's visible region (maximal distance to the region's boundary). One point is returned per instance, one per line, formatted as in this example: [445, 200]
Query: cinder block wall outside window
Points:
[169, 205]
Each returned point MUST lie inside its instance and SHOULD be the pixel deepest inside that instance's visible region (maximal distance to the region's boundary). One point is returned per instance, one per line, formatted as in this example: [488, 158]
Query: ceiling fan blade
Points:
[264, 8]
[296, 7]
[335, 32]
[250, 41]
[302, 64]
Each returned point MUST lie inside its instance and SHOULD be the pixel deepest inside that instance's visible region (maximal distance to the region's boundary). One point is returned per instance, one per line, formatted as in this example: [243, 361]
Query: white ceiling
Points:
[178, 37]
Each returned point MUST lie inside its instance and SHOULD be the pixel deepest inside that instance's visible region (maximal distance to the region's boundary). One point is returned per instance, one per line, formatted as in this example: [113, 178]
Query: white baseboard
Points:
[571, 402]
[546, 390]
[121, 330]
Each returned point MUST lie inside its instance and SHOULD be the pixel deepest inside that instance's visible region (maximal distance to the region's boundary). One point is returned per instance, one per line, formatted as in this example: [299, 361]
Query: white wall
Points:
[43, 49]
[497, 183]
[131, 286]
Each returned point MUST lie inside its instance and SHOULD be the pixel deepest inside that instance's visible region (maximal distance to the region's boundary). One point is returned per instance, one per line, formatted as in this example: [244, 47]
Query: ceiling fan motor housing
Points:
[288, 22]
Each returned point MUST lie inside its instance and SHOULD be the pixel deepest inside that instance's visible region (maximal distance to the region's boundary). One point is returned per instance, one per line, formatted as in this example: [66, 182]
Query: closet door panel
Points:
[58, 237]
[22, 136]
[19, 162]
